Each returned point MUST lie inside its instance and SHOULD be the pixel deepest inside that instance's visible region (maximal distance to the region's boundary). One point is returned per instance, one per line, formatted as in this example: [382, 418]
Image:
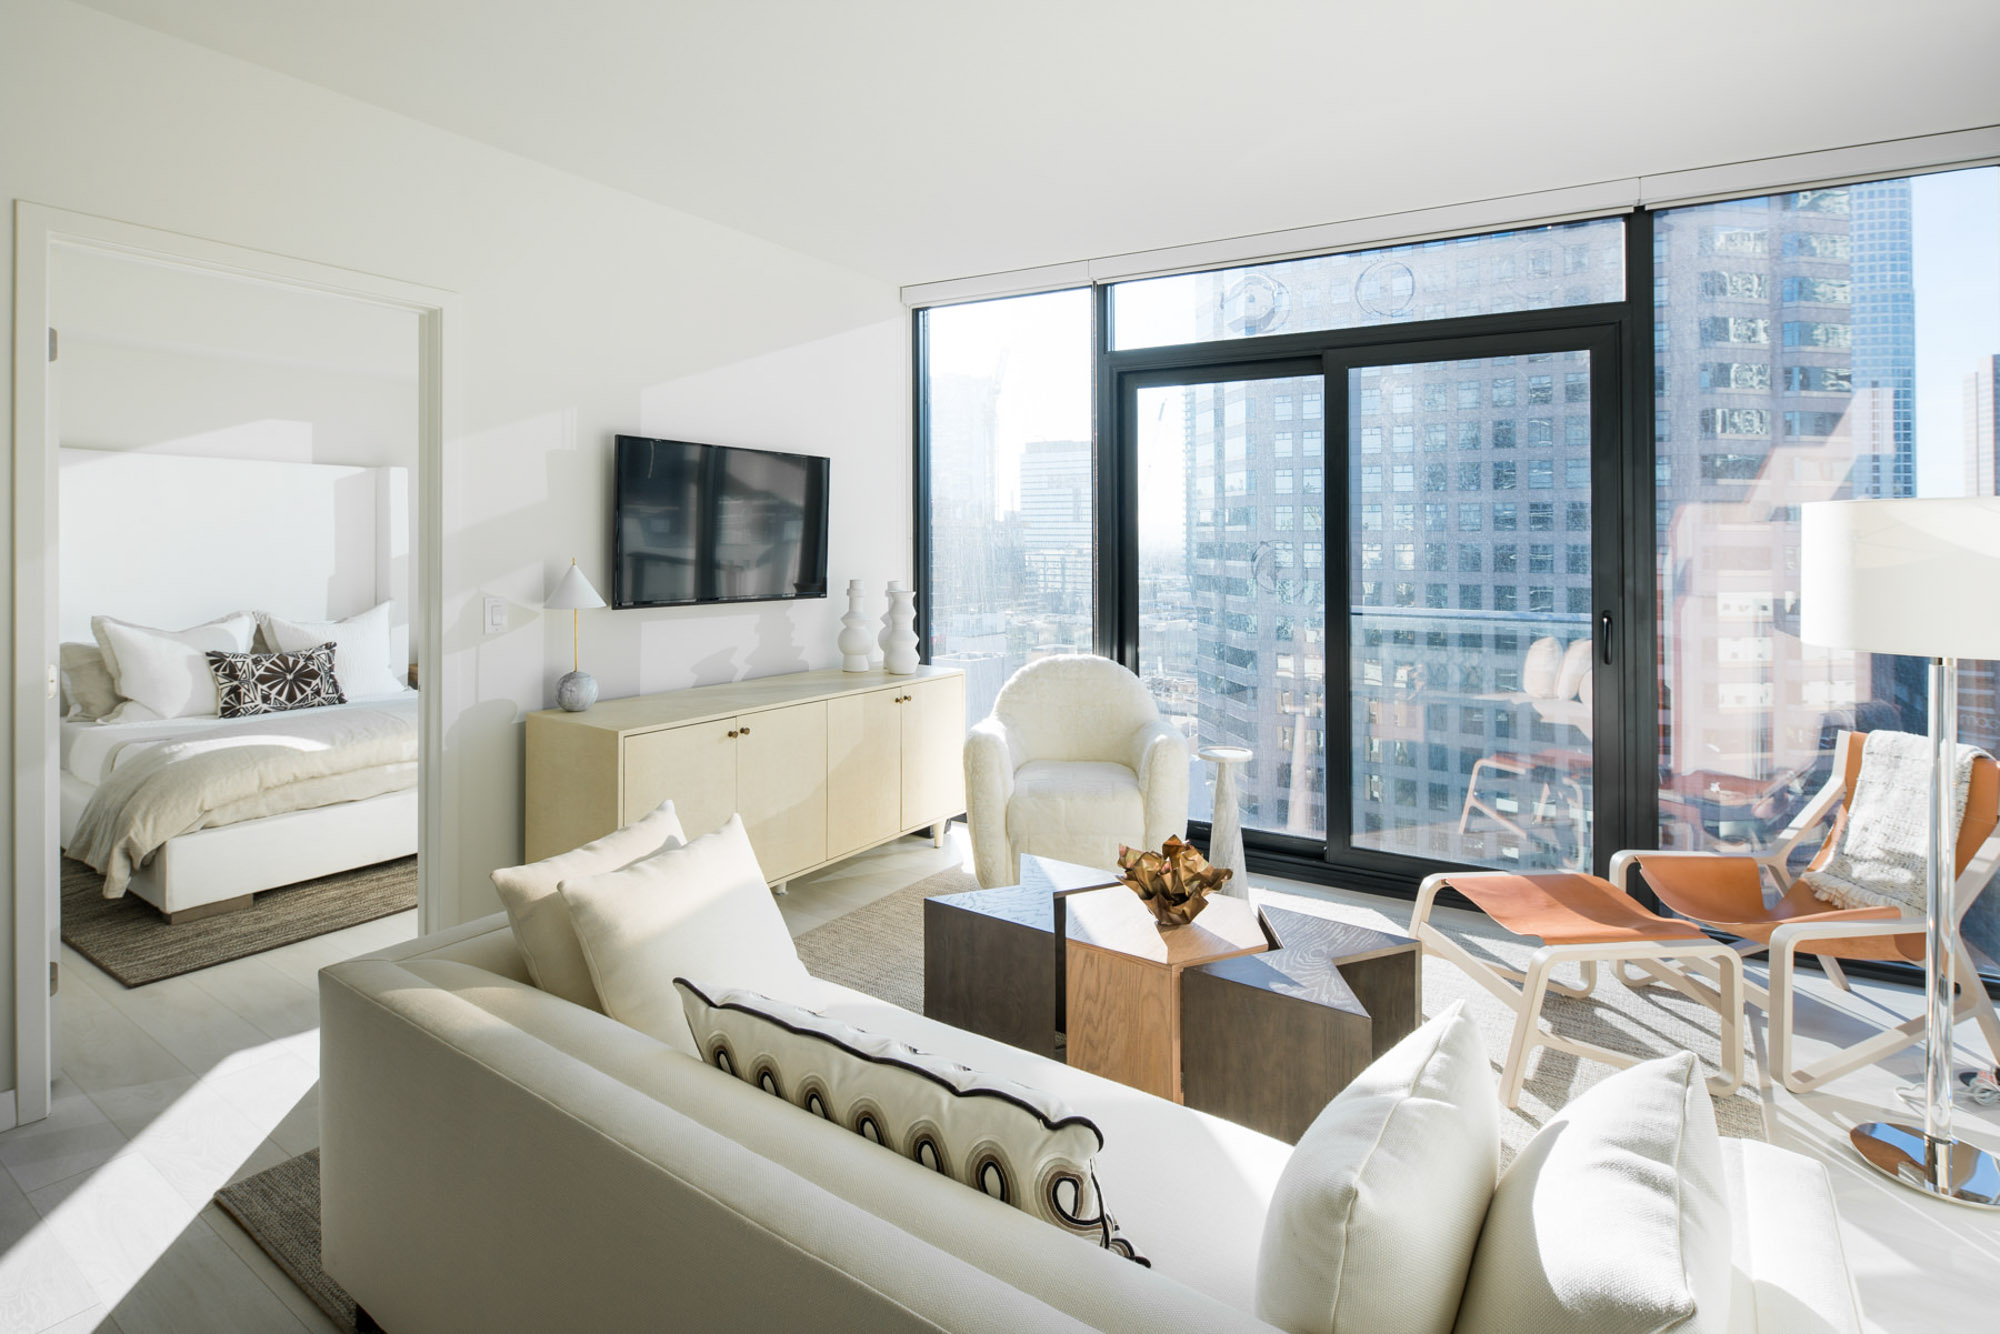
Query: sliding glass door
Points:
[1461, 501]
[1230, 521]
[1477, 616]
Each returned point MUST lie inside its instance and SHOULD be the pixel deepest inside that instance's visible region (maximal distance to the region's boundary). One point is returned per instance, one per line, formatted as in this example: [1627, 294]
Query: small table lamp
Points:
[577, 690]
[1916, 577]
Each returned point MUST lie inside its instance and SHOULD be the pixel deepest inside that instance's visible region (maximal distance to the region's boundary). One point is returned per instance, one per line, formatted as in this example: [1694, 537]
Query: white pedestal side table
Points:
[1225, 828]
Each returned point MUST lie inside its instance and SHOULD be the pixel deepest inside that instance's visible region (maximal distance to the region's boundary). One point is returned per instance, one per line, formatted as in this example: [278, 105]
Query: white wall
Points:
[586, 312]
[171, 541]
[188, 362]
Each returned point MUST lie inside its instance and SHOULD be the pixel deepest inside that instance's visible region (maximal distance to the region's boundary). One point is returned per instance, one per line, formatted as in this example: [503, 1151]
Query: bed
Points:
[217, 868]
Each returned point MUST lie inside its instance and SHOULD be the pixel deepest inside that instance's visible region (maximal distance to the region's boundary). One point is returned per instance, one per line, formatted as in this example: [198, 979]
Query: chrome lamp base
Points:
[1948, 1169]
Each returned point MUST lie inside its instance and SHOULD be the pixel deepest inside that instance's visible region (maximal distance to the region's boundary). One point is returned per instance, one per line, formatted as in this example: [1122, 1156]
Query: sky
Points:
[1955, 221]
[1039, 348]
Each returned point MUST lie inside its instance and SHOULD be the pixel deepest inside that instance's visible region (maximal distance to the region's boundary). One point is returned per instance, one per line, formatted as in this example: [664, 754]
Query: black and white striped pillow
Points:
[247, 684]
[1017, 1144]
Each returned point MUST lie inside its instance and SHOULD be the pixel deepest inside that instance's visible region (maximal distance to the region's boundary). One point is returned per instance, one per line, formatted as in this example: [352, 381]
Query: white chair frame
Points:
[1523, 991]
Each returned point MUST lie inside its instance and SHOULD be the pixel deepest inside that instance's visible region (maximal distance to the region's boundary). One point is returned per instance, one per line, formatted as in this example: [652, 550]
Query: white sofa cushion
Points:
[696, 909]
[1614, 1219]
[1374, 1221]
[540, 918]
[166, 671]
[1015, 1143]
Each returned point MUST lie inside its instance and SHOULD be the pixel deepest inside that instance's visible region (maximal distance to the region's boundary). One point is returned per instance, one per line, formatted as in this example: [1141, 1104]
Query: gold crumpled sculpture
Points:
[1174, 882]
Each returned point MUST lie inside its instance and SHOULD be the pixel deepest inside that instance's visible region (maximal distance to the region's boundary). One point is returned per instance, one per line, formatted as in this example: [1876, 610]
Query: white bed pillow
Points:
[361, 657]
[166, 671]
[700, 909]
[1373, 1223]
[1615, 1218]
[539, 917]
[88, 690]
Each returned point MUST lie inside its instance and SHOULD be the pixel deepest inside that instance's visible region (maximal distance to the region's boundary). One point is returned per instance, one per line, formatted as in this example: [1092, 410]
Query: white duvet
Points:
[157, 782]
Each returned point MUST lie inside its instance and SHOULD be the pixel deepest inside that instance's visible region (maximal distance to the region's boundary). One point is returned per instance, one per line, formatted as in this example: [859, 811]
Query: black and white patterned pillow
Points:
[253, 683]
[1018, 1144]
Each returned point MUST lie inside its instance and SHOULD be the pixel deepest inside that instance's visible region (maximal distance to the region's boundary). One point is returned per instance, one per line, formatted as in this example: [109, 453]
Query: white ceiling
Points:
[926, 139]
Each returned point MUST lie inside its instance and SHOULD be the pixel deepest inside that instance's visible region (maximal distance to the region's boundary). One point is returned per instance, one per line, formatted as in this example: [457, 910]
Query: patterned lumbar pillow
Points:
[1015, 1143]
[253, 683]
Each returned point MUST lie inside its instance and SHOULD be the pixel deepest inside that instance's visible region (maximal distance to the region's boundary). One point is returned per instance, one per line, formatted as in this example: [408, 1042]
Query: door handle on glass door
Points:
[1604, 643]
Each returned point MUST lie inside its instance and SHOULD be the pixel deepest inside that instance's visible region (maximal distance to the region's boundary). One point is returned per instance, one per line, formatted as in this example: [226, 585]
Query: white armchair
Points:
[1074, 760]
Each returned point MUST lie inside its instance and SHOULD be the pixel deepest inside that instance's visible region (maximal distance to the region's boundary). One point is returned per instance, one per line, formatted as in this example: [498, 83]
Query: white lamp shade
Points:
[574, 593]
[1917, 577]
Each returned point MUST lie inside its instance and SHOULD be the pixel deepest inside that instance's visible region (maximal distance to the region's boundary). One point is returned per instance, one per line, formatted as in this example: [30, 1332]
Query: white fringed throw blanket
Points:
[1879, 860]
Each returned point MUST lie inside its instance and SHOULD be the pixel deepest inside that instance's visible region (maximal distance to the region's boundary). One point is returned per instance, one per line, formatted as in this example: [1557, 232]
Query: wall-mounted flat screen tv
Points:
[705, 523]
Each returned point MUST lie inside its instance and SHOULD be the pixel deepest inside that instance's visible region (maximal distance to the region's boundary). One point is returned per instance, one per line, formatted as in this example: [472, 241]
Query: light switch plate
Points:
[496, 615]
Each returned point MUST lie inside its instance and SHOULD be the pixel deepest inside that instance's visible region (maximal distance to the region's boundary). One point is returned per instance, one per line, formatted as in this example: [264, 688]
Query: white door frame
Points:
[38, 230]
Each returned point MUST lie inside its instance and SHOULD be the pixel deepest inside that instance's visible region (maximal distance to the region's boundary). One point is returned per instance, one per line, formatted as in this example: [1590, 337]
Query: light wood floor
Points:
[169, 1092]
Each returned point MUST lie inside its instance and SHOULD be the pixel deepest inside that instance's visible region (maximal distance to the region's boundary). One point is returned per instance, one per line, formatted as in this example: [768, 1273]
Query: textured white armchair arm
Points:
[1074, 761]
[989, 786]
[1160, 759]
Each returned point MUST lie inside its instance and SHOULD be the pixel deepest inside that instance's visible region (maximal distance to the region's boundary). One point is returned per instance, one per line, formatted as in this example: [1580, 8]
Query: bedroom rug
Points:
[128, 938]
[879, 949]
[279, 1208]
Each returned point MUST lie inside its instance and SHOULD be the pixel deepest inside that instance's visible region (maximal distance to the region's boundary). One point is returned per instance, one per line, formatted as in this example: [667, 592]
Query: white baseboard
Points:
[7, 1112]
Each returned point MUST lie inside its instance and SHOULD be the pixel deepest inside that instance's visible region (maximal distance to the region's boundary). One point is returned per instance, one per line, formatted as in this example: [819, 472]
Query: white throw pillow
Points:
[88, 690]
[1542, 668]
[1372, 1226]
[166, 671]
[361, 657]
[698, 909]
[1575, 667]
[540, 918]
[1614, 1219]
[1018, 1144]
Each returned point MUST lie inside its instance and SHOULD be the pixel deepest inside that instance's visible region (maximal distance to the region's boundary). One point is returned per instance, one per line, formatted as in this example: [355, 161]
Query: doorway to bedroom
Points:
[235, 586]
[239, 538]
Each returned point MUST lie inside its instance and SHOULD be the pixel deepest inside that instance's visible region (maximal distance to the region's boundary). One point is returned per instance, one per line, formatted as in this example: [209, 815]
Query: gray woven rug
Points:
[128, 938]
[879, 949]
[279, 1208]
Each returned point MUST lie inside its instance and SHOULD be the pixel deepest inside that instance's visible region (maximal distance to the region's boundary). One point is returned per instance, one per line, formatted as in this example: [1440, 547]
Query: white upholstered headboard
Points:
[171, 541]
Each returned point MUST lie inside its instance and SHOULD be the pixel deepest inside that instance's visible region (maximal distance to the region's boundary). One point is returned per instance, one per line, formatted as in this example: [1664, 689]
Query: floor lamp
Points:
[1921, 578]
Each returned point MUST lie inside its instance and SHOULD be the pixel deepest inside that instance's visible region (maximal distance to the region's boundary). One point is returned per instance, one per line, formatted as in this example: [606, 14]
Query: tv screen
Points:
[704, 523]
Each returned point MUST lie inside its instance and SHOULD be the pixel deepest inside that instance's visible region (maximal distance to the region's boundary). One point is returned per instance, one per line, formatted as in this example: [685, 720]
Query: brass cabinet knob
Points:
[732, 735]
[744, 732]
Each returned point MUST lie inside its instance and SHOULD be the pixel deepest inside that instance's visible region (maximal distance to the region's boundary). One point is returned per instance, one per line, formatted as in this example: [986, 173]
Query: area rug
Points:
[128, 938]
[279, 1208]
[879, 949]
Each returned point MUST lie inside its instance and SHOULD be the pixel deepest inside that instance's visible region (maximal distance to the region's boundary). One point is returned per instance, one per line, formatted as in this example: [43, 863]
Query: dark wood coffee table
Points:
[993, 958]
[1267, 1039]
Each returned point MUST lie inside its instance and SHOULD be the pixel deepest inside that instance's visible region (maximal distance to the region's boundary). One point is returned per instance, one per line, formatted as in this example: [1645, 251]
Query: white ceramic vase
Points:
[899, 631]
[854, 642]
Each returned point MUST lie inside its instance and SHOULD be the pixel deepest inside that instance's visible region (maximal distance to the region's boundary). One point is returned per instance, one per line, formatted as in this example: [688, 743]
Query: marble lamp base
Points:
[577, 691]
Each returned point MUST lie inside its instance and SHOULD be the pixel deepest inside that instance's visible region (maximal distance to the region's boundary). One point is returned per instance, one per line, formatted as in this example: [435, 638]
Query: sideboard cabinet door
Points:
[695, 765]
[781, 786]
[933, 750]
[864, 770]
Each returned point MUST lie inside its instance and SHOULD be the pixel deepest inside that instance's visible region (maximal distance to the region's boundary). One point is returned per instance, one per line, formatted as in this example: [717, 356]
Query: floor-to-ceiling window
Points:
[1006, 429]
[1813, 345]
[1491, 558]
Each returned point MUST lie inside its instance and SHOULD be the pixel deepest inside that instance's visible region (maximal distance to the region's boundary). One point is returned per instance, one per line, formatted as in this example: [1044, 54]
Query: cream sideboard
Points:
[820, 764]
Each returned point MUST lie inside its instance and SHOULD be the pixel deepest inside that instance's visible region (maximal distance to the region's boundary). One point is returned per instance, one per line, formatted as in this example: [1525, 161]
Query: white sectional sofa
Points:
[495, 1158]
